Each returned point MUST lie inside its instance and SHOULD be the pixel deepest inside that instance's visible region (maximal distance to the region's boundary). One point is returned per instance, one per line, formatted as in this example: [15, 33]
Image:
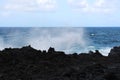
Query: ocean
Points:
[70, 40]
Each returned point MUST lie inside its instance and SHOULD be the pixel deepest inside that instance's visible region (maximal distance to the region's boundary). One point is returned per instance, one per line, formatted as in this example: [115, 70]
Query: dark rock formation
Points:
[51, 50]
[96, 53]
[115, 52]
[27, 63]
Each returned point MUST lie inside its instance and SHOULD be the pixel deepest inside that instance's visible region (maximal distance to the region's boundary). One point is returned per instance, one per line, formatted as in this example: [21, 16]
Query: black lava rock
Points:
[27, 63]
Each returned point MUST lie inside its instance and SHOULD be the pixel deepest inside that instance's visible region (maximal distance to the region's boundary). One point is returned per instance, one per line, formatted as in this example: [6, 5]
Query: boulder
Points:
[115, 52]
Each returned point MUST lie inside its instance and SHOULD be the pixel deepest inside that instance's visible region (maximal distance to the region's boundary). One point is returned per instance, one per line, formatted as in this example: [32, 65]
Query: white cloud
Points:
[100, 3]
[30, 5]
[46, 4]
[104, 6]
[78, 3]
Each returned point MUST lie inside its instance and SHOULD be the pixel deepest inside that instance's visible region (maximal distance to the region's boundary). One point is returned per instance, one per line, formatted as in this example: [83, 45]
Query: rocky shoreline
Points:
[27, 63]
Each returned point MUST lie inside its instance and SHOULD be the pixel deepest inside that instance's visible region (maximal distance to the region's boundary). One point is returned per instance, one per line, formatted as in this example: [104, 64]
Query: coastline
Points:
[27, 63]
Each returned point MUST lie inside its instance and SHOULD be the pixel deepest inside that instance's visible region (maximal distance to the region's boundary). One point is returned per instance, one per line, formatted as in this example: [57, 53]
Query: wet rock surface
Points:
[27, 63]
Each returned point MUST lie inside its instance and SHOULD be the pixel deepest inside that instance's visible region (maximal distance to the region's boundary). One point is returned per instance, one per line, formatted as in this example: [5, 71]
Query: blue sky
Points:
[57, 13]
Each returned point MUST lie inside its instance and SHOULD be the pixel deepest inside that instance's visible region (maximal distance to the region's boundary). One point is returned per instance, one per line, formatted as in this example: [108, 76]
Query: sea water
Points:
[66, 39]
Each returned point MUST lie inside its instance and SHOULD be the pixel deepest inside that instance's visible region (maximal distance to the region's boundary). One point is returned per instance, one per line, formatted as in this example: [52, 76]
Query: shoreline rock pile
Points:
[27, 63]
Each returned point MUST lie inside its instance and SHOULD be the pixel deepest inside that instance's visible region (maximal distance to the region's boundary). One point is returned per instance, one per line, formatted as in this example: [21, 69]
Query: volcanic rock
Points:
[115, 52]
[27, 63]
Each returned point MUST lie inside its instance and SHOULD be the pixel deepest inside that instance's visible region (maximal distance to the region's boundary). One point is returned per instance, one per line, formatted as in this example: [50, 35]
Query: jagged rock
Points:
[28, 48]
[27, 63]
[115, 52]
[91, 52]
[51, 50]
[97, 53]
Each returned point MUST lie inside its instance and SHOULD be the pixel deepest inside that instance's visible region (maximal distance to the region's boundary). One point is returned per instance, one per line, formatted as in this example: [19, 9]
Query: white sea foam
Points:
[105, 50]
[69, 40]
[43, 38]
[60, 38]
